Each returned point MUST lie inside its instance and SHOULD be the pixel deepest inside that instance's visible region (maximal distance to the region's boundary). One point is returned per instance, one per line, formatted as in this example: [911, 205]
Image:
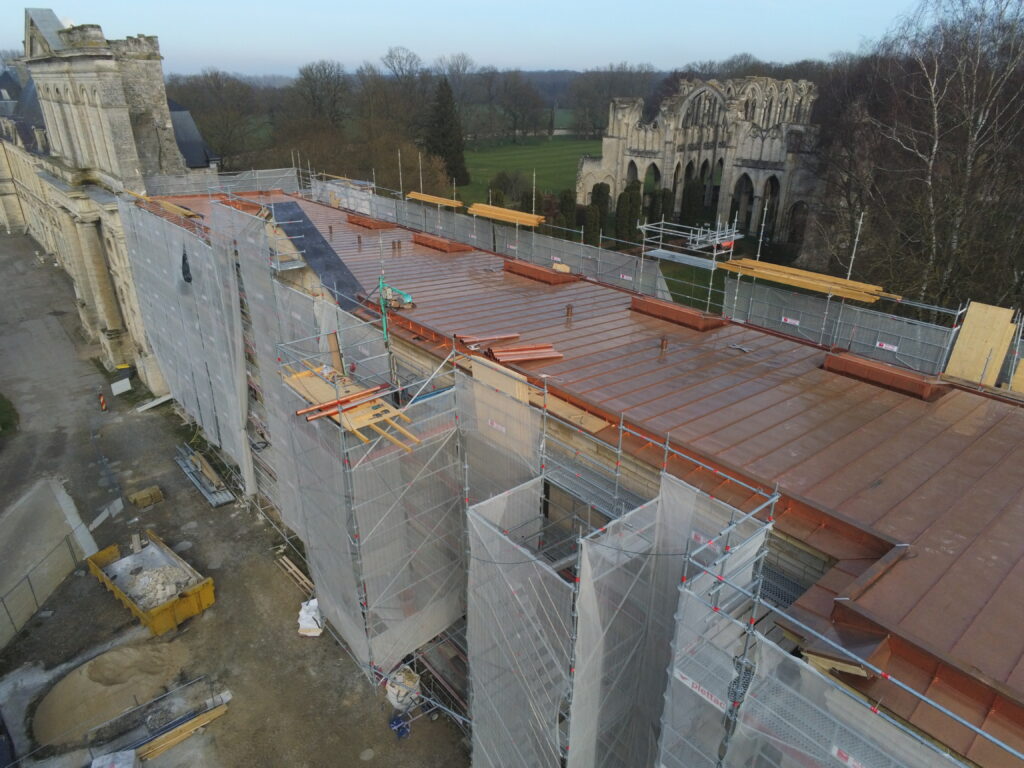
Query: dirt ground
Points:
[296, 701]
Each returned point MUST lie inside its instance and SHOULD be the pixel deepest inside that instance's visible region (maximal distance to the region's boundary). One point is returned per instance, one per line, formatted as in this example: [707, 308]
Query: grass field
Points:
[554, 159]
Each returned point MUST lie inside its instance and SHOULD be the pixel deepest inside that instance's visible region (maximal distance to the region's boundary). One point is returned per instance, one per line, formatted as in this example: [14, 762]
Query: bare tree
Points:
[458, 68]
[520, 103]
[592, 92]
[949, 106]
[323, 89]
[224, 108]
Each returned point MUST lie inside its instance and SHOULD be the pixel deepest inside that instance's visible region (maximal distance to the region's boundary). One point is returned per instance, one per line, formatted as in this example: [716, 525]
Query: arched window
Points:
[742, 207]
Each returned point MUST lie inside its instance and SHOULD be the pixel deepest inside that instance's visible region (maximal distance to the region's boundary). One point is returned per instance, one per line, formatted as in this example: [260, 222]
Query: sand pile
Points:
[103, 688]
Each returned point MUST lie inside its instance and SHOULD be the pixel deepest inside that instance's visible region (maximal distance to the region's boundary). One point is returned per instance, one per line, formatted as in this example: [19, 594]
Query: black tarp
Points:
[318, 253]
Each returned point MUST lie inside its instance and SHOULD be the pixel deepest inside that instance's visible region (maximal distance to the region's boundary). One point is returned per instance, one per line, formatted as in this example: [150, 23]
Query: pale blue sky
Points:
[261, 37]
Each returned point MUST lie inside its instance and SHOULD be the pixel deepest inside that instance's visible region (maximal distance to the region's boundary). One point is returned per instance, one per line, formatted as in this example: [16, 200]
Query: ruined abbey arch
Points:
[706, 138]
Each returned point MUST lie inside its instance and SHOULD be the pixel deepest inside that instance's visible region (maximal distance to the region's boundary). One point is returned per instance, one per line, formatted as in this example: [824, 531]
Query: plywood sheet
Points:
[981, 344]
[501, 378]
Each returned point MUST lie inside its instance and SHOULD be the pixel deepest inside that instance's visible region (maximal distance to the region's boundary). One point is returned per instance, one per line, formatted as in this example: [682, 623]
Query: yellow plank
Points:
[780, 269]
[981, 344]
[402, 431]
[435, 200]
[504, 214]
[800, 278]
[389, 436]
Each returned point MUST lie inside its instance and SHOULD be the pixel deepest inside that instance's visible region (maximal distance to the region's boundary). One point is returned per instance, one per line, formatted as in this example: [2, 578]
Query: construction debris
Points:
[156, 585]
[295, 573]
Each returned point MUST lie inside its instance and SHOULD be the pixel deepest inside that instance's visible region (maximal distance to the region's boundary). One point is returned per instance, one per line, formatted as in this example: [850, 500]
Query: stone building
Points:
[725, 149]
[90, 121]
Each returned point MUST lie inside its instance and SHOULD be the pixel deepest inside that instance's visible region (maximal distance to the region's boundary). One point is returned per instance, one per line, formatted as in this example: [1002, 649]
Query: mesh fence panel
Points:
[384, 208]
[510, 241]
[193, 324]
[342, 193]
[286, 179]
[627, 593]
[474, 231]
[519, 635]
[900, 341]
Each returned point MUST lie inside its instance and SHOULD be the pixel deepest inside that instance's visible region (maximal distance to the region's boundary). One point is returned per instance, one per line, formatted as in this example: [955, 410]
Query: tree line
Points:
[918, 149]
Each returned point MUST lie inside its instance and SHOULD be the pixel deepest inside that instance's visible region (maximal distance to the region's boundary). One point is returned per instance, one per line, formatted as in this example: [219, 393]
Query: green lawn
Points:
[554, 159]
[563, 119]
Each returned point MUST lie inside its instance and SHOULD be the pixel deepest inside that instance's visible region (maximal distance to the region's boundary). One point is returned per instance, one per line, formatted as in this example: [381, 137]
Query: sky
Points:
[260, 37]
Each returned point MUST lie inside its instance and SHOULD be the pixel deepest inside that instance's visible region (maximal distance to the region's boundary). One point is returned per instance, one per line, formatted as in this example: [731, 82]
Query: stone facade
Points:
[723, 148]
[92, 123]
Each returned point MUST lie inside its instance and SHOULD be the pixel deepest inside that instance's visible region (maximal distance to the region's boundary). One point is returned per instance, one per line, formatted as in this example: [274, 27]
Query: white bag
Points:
[311, 623]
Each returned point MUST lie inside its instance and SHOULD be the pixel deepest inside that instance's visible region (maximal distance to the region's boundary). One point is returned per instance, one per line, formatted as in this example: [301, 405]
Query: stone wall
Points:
[734, 145]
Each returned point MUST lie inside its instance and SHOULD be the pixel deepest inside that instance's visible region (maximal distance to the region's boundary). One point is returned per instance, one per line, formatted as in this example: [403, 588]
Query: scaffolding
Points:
[570, 621]
[187, 290]
[402, 489]
[736, 698]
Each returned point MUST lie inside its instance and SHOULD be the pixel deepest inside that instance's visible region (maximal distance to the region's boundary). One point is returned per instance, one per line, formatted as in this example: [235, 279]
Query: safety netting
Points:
[628, 578]
[285, 179]
[735, 697]
[788, 714]
[408, 510]
[501, 435]
[519, 634]
[188, 296]
[274, 312]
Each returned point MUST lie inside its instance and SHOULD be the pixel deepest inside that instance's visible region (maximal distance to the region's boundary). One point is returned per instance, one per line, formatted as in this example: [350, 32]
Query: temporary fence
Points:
[20, 603]
[902, 341]
[202, 182]
[188, 296]
[655, 269]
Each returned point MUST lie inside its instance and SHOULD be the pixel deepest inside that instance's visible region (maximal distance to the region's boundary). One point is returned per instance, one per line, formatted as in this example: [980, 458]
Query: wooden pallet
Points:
[295, 573]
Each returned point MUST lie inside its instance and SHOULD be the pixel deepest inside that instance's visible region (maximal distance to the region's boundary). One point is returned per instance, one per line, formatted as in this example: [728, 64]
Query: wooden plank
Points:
[808, 280]
[389, 436]
[295, 573]
[981, 344]
[162, 743]
[500, 378]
